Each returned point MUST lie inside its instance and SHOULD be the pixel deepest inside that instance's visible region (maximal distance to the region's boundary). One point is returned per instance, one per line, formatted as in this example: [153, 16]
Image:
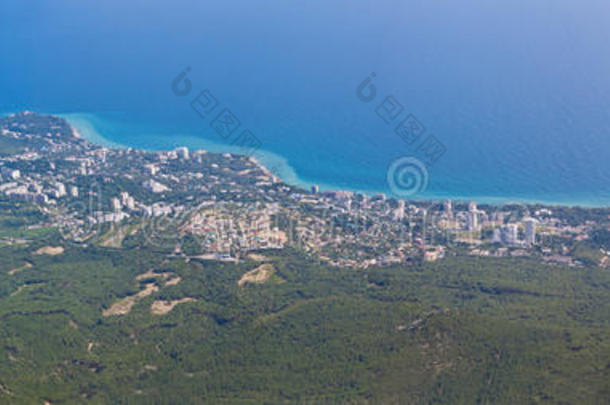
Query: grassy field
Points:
[460, 331]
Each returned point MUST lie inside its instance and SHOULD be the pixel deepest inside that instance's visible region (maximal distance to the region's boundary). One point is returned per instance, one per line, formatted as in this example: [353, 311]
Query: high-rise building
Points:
[365, 201]
[497, 236]
[151, 169]
[448, 208]
[473, 221]
[11, 173]
[399, 213]
[116, 204]
[511, 234]
[347, 203]
[530, 231]
[127, 201]
[60, 190]
[182, 152]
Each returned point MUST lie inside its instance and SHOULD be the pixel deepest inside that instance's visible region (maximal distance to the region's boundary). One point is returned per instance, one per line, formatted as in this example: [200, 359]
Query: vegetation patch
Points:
[24, 287]
[460, 330]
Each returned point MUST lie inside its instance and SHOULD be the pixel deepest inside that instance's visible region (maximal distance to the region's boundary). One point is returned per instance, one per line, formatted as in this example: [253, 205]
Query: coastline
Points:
[84, 125]
[277, 165]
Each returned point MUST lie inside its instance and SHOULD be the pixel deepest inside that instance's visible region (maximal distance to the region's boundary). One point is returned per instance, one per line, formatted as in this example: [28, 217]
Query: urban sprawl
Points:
[224, 206]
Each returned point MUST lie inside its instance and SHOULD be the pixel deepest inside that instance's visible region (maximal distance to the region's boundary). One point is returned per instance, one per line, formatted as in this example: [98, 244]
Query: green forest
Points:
[464, 330]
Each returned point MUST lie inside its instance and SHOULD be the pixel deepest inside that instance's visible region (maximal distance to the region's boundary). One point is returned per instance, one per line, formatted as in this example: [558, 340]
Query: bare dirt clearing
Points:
[154, 274]
[123, 307]
[255, 257]
[164, 275]
[12, 272]
[173, 281]
[163, 307]
[50, 250]
[257, 276]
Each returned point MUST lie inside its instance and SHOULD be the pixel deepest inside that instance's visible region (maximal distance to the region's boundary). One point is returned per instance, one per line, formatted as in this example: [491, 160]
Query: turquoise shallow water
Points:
[92, 128]
[517, 92]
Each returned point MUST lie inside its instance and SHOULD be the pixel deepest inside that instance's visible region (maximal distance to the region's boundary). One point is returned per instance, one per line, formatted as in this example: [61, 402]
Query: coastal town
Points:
[211, 206]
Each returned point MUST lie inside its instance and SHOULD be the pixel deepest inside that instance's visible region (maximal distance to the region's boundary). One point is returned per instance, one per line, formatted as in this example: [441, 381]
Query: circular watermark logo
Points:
[407, 176]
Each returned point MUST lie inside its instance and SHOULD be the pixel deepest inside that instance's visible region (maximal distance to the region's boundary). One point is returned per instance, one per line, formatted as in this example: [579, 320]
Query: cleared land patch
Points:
[256, 257]
[124, 306]
[50, 250]
[154, 274]
[163, 307]
[257, 276]
[14, 271]
[173, 281]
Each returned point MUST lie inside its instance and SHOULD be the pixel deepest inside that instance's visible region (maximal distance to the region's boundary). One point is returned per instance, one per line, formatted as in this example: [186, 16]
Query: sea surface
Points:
[515, 93]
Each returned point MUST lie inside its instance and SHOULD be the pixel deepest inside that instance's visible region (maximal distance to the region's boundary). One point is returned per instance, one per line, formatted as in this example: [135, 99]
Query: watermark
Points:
[167, 227]
[408, 175]
[222, 120]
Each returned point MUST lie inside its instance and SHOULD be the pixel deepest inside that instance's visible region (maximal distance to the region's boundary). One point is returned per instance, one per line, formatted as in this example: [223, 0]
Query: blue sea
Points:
[515, 94]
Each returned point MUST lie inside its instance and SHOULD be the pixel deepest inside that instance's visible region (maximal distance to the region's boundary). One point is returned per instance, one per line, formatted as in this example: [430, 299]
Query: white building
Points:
[182, 152]
[101, 217]
[18, 190]
[448, 209]
[7, 186]
[497, 236]
[159, 209]
[511, 234]
[152, 169]
[11, 173]
[61, 189]
[473, 221]
[399, 213]
[155, 186]
[116, 204]
[530, 231]
[128, 201]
